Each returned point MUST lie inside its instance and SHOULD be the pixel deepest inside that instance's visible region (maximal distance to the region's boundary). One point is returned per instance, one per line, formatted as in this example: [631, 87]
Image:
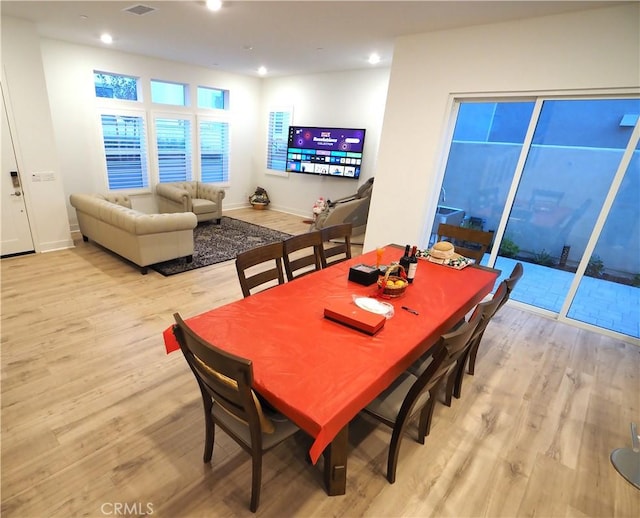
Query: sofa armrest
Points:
[210, 192]
[176, 195]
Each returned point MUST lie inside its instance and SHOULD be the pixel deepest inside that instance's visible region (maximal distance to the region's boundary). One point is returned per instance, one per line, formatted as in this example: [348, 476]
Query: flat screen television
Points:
[325, 151]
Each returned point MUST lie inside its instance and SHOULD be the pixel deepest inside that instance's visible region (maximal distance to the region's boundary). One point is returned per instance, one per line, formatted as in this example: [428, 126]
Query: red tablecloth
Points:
[319, 373]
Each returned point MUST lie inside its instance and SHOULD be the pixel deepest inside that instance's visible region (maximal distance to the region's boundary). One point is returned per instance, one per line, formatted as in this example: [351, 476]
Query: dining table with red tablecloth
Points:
[320, 373]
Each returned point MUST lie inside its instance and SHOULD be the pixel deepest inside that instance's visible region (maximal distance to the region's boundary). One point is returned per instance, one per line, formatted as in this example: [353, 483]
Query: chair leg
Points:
[394, 451]
[448, 389]
[473, 351]
[426, 415]
[209, 429]
[459, 375]
[256, 480]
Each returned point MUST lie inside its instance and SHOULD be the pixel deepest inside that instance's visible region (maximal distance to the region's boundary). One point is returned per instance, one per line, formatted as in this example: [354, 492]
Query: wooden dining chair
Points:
[468, 242]
[512, 280]
[339, 250]
[254, 270]
[409, 395]
[302, 254]
[509, 285]
[225, 382]
[486, 311]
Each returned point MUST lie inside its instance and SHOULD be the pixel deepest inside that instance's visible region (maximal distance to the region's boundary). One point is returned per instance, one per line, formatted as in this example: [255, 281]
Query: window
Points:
[115, 86]
[279, 122]
[212, 98]
[125, 147]
[214, 151]
[168, 93]
[173, 141]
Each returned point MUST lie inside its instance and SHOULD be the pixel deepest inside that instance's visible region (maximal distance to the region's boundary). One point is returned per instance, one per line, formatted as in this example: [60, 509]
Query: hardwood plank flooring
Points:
[95, 415]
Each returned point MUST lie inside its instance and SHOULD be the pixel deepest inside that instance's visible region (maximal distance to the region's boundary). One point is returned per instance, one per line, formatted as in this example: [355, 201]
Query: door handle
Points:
[17, 193]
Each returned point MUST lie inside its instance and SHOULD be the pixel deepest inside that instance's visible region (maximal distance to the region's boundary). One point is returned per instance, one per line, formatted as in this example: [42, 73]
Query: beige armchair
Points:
[203, 199]
[352, 209]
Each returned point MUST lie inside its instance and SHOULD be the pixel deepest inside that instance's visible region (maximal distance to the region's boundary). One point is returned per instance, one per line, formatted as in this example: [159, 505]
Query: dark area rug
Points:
[218, 243]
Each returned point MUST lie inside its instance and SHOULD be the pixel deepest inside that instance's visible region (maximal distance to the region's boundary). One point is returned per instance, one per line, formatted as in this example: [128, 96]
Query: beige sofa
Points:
[203, 199]
[141, 238]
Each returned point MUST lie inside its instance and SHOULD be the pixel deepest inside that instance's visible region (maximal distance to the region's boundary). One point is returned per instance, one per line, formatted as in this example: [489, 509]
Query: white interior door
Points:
[16, 234]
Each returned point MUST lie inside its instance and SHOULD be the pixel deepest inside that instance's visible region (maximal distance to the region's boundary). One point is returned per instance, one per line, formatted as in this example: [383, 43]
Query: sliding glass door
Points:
[539, 173]
[608, 294]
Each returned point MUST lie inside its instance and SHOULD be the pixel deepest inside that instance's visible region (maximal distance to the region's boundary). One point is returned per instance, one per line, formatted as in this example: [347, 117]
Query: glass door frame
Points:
[540, 98]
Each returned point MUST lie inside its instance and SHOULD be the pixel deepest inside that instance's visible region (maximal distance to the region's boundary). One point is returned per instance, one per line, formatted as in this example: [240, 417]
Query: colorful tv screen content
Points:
[325, 151]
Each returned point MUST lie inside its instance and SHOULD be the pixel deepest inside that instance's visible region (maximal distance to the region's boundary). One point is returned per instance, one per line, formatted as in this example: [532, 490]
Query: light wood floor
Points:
[96, 415]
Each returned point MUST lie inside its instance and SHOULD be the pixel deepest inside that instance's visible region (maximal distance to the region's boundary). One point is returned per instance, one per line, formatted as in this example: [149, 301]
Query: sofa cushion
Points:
[201, 206]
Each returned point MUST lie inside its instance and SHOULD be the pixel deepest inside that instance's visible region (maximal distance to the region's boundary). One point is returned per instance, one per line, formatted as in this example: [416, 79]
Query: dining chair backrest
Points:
[511, 281]
[302, 254]
[229, 401]
[468, 242]
[259, 266]
[338, 250]
[222, 376]
[500, 298]
[489, 308]
[457, 343]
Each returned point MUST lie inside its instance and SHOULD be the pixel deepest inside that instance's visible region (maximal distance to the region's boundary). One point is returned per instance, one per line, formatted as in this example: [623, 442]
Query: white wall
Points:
[31, 129]
[69, 74]
[595, 49]
[353, 99]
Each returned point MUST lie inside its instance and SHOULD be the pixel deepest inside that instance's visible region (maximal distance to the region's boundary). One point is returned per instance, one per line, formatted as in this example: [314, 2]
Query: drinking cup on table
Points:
[379, 252]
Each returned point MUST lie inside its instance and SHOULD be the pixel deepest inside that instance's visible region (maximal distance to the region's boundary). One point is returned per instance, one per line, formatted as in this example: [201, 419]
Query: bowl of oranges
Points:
[393, 283]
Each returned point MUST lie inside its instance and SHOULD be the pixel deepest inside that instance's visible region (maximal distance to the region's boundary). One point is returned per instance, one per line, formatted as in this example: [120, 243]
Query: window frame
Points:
[287, 114]
[185, 93]
[225, 99]
[138, 80]
[146, 166]
[191, 166]
[211, 118]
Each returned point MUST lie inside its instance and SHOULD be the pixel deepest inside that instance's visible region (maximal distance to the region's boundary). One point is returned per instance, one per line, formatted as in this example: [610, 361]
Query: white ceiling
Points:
[288, 37]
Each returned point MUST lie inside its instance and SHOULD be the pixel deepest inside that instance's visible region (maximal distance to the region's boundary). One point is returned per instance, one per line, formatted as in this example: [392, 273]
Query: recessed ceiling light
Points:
[106, 38]
[214, 5]
[262, 71]
[374, 59]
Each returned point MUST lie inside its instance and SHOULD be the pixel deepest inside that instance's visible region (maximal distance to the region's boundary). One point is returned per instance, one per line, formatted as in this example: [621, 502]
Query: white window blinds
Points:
[125, 149]
[214, 151]
[279, 122]
[174, 141]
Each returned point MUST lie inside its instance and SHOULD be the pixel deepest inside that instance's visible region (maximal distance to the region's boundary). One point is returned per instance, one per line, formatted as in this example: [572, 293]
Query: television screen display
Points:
[325, 151]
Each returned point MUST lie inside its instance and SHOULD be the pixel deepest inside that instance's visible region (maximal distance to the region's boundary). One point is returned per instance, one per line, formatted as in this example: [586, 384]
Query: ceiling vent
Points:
[140, 9]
